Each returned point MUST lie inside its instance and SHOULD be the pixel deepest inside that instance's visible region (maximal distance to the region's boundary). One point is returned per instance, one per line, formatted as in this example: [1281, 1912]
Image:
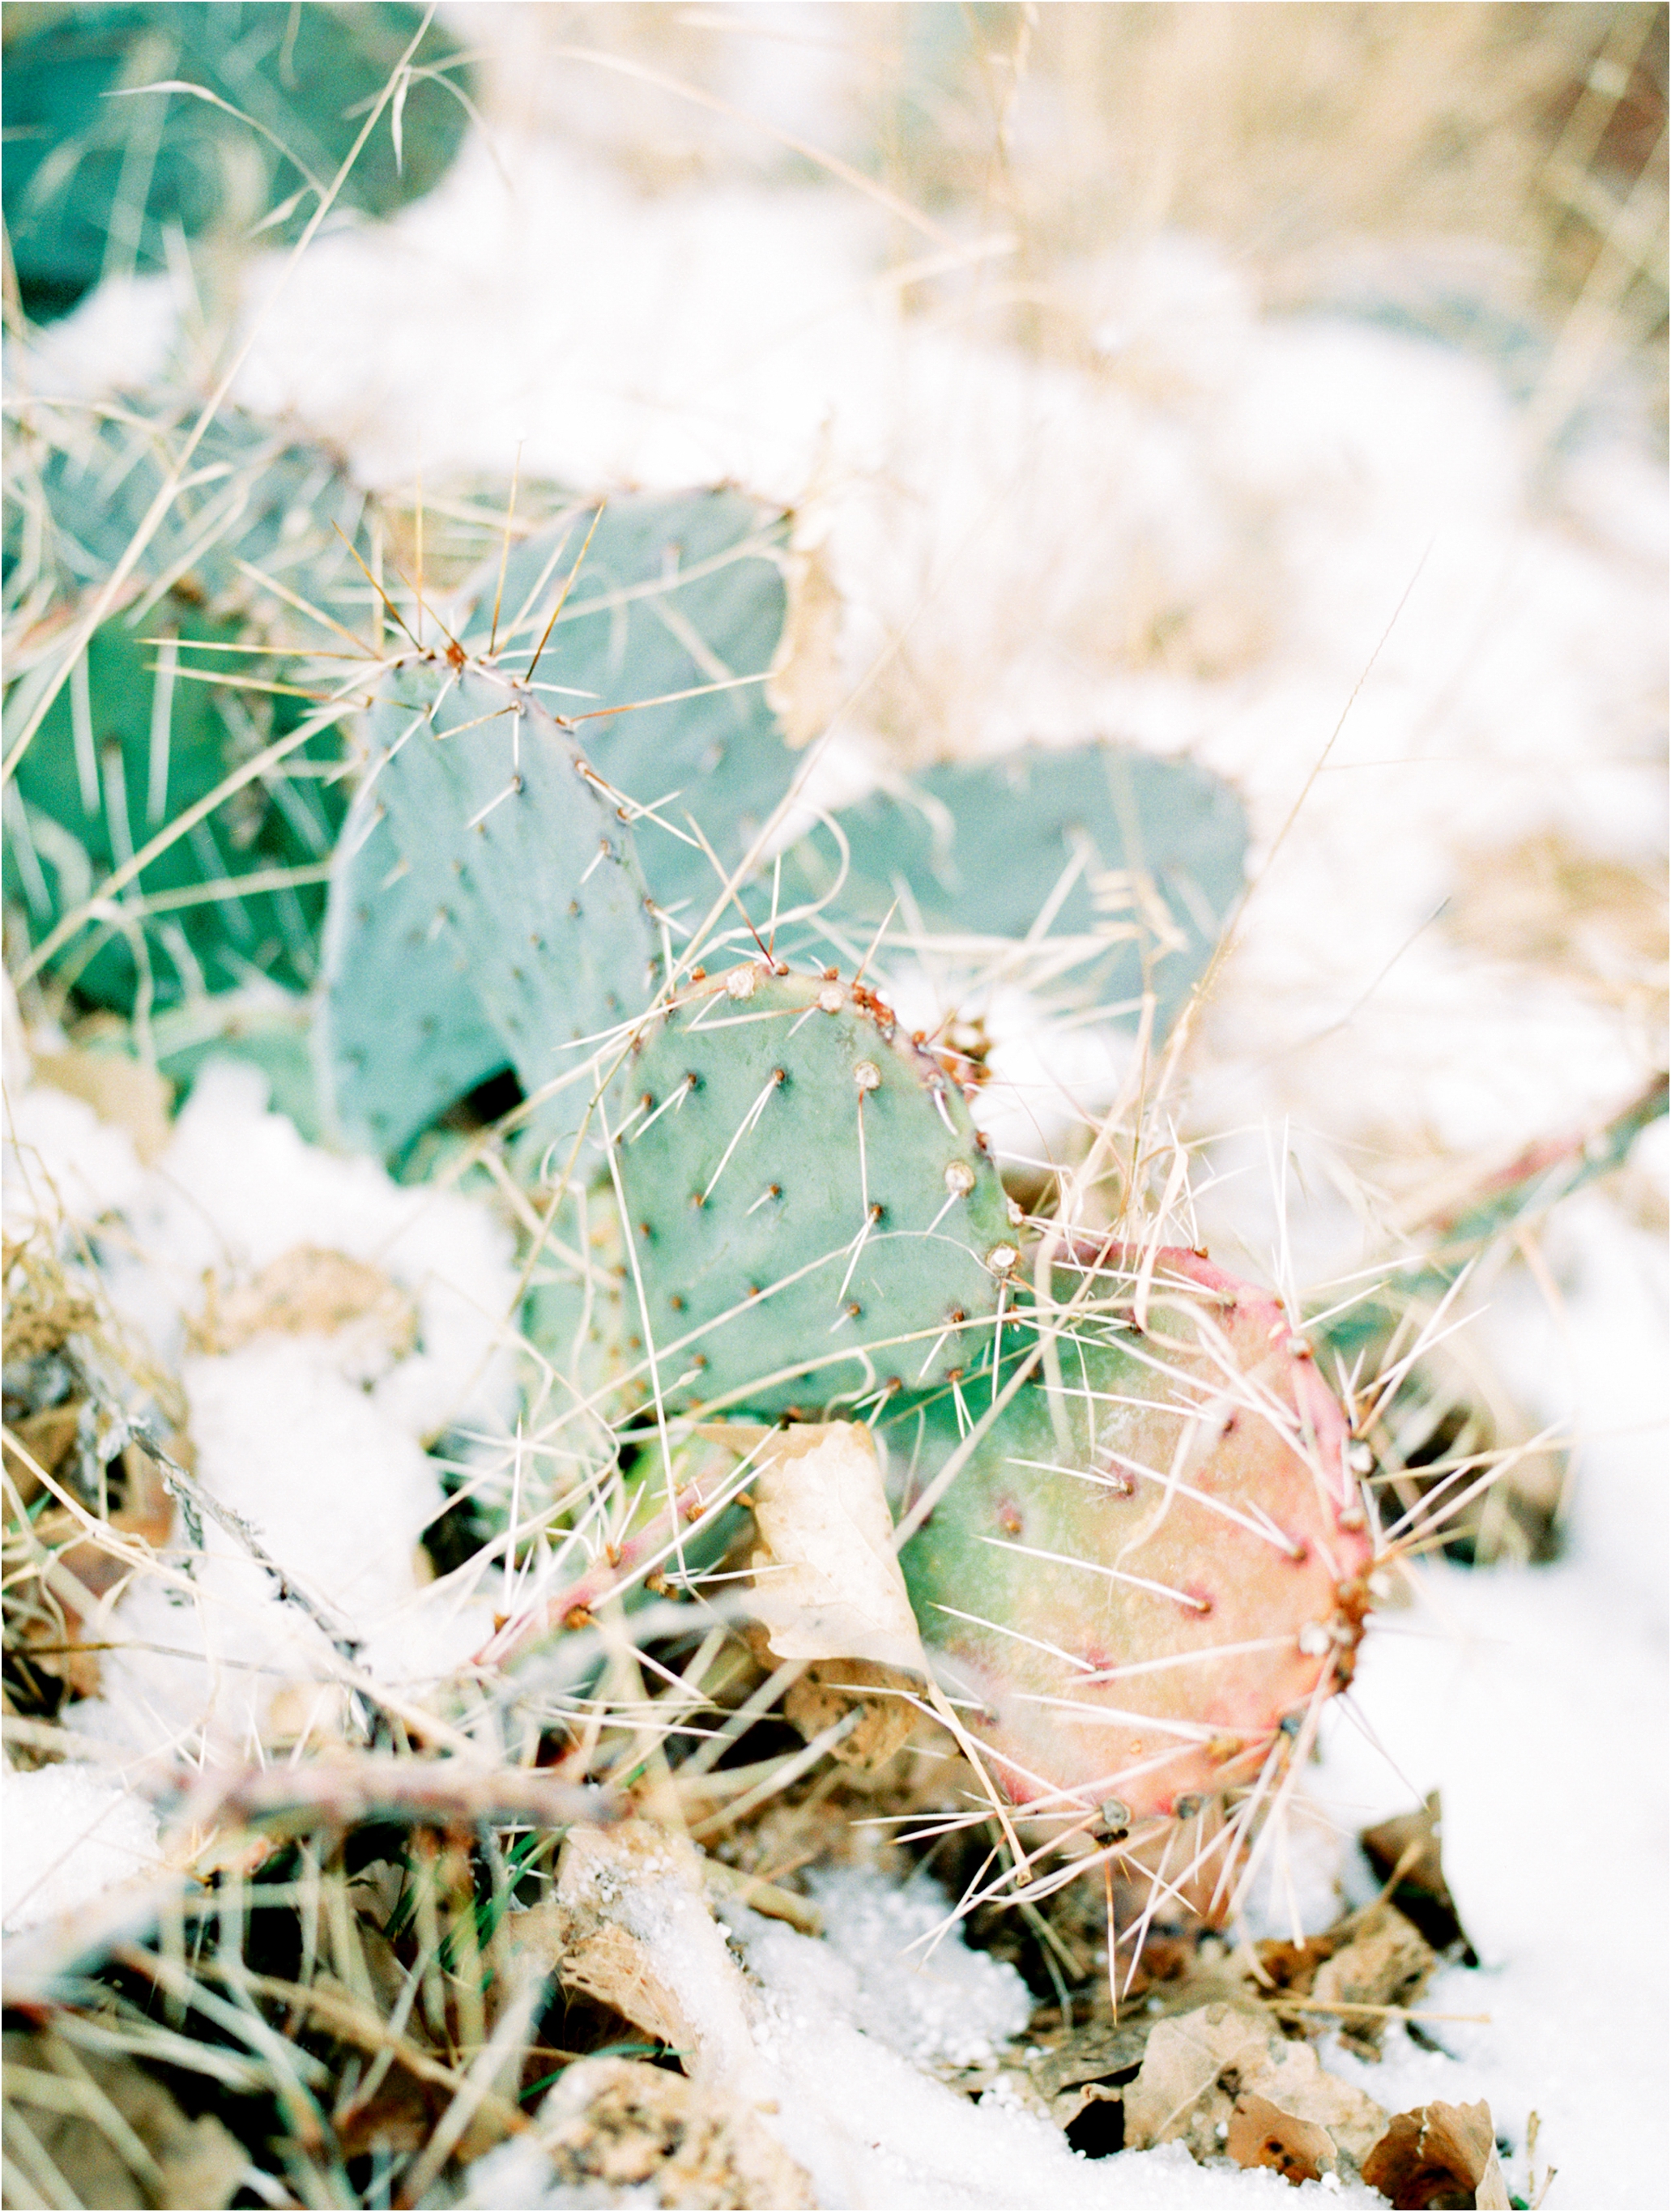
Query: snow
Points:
[829, 2040]
[949, 2004]
[68, 1833]
[322, 1453]
[61, 1159]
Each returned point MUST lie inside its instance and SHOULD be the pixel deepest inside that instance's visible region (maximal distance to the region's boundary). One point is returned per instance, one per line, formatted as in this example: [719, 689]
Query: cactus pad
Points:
[673, 594]
[1140, 859]
[303, 77]
[522, 876]
[404, 1035]
[804, 1191]
[129, 743]
[1145, 1603]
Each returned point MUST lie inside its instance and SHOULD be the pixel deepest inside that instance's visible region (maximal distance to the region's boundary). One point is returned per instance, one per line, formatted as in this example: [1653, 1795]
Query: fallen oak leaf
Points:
[1438, 2157]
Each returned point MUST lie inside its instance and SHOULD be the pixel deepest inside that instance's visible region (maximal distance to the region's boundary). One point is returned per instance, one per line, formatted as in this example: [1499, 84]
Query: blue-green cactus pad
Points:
[95, 182]
[121, 753]
[811, 1214]
[519, 875]
[402, 1053]
[674, 594]
[1138, 860]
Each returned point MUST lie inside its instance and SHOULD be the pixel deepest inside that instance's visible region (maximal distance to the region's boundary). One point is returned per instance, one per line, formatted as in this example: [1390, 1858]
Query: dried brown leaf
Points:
[1407, 1851]
[1263, 2134]
[1437, 2157]
[120, 1089]
[830, 1688]
[1198, 2063]
[1385, 1962]
[828, 1583]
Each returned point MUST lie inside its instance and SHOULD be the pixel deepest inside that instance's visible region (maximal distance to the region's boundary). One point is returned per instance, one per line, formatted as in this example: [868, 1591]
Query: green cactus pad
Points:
[254, 497]
[520, 874]
[404, 1035]
[810, 1212]
[123, 751]
[95, 183]
[174, 692]
[1142, 1584]
[581, 1314]
[673, 594]
[1138, 858]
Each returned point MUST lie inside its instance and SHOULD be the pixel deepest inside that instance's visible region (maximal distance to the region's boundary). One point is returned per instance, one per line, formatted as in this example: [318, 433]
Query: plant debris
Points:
[1405, 1853]
[617, 2123]
[1438, 2157]
[85, 2128]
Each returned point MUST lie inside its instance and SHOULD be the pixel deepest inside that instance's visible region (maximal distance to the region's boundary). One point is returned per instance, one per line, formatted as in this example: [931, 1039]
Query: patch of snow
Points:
[324, 1461]
[1538, 1709]
[62, 1164]
[68, 1833]
[945, 2006]
[845, 2024]
[239, 1187]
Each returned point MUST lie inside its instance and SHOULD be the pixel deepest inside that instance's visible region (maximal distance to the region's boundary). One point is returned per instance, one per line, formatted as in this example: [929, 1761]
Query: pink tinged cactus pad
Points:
[1147, 1575]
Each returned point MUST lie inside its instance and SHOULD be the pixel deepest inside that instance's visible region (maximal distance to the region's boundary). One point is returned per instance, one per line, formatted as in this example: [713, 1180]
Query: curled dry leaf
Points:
[1437, 2156]
[1405, 1851]
[830, 1688]
[1385, 1962]
[1373, 1959]
[1082, 2066]
[828, 1583]
[1197, 2065]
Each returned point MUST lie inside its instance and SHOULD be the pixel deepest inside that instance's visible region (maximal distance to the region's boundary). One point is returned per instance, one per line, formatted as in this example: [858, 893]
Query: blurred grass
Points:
[1478, 161]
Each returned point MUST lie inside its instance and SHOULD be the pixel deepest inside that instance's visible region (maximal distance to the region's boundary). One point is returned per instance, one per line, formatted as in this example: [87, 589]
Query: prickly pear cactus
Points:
[680, 595]
[129, 745]
[403, 1035]
[1147, 1580]
[1136, 862]
[811, 1217]
[186, 683]
[95, 184]
[518, 873]
[258, 522]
